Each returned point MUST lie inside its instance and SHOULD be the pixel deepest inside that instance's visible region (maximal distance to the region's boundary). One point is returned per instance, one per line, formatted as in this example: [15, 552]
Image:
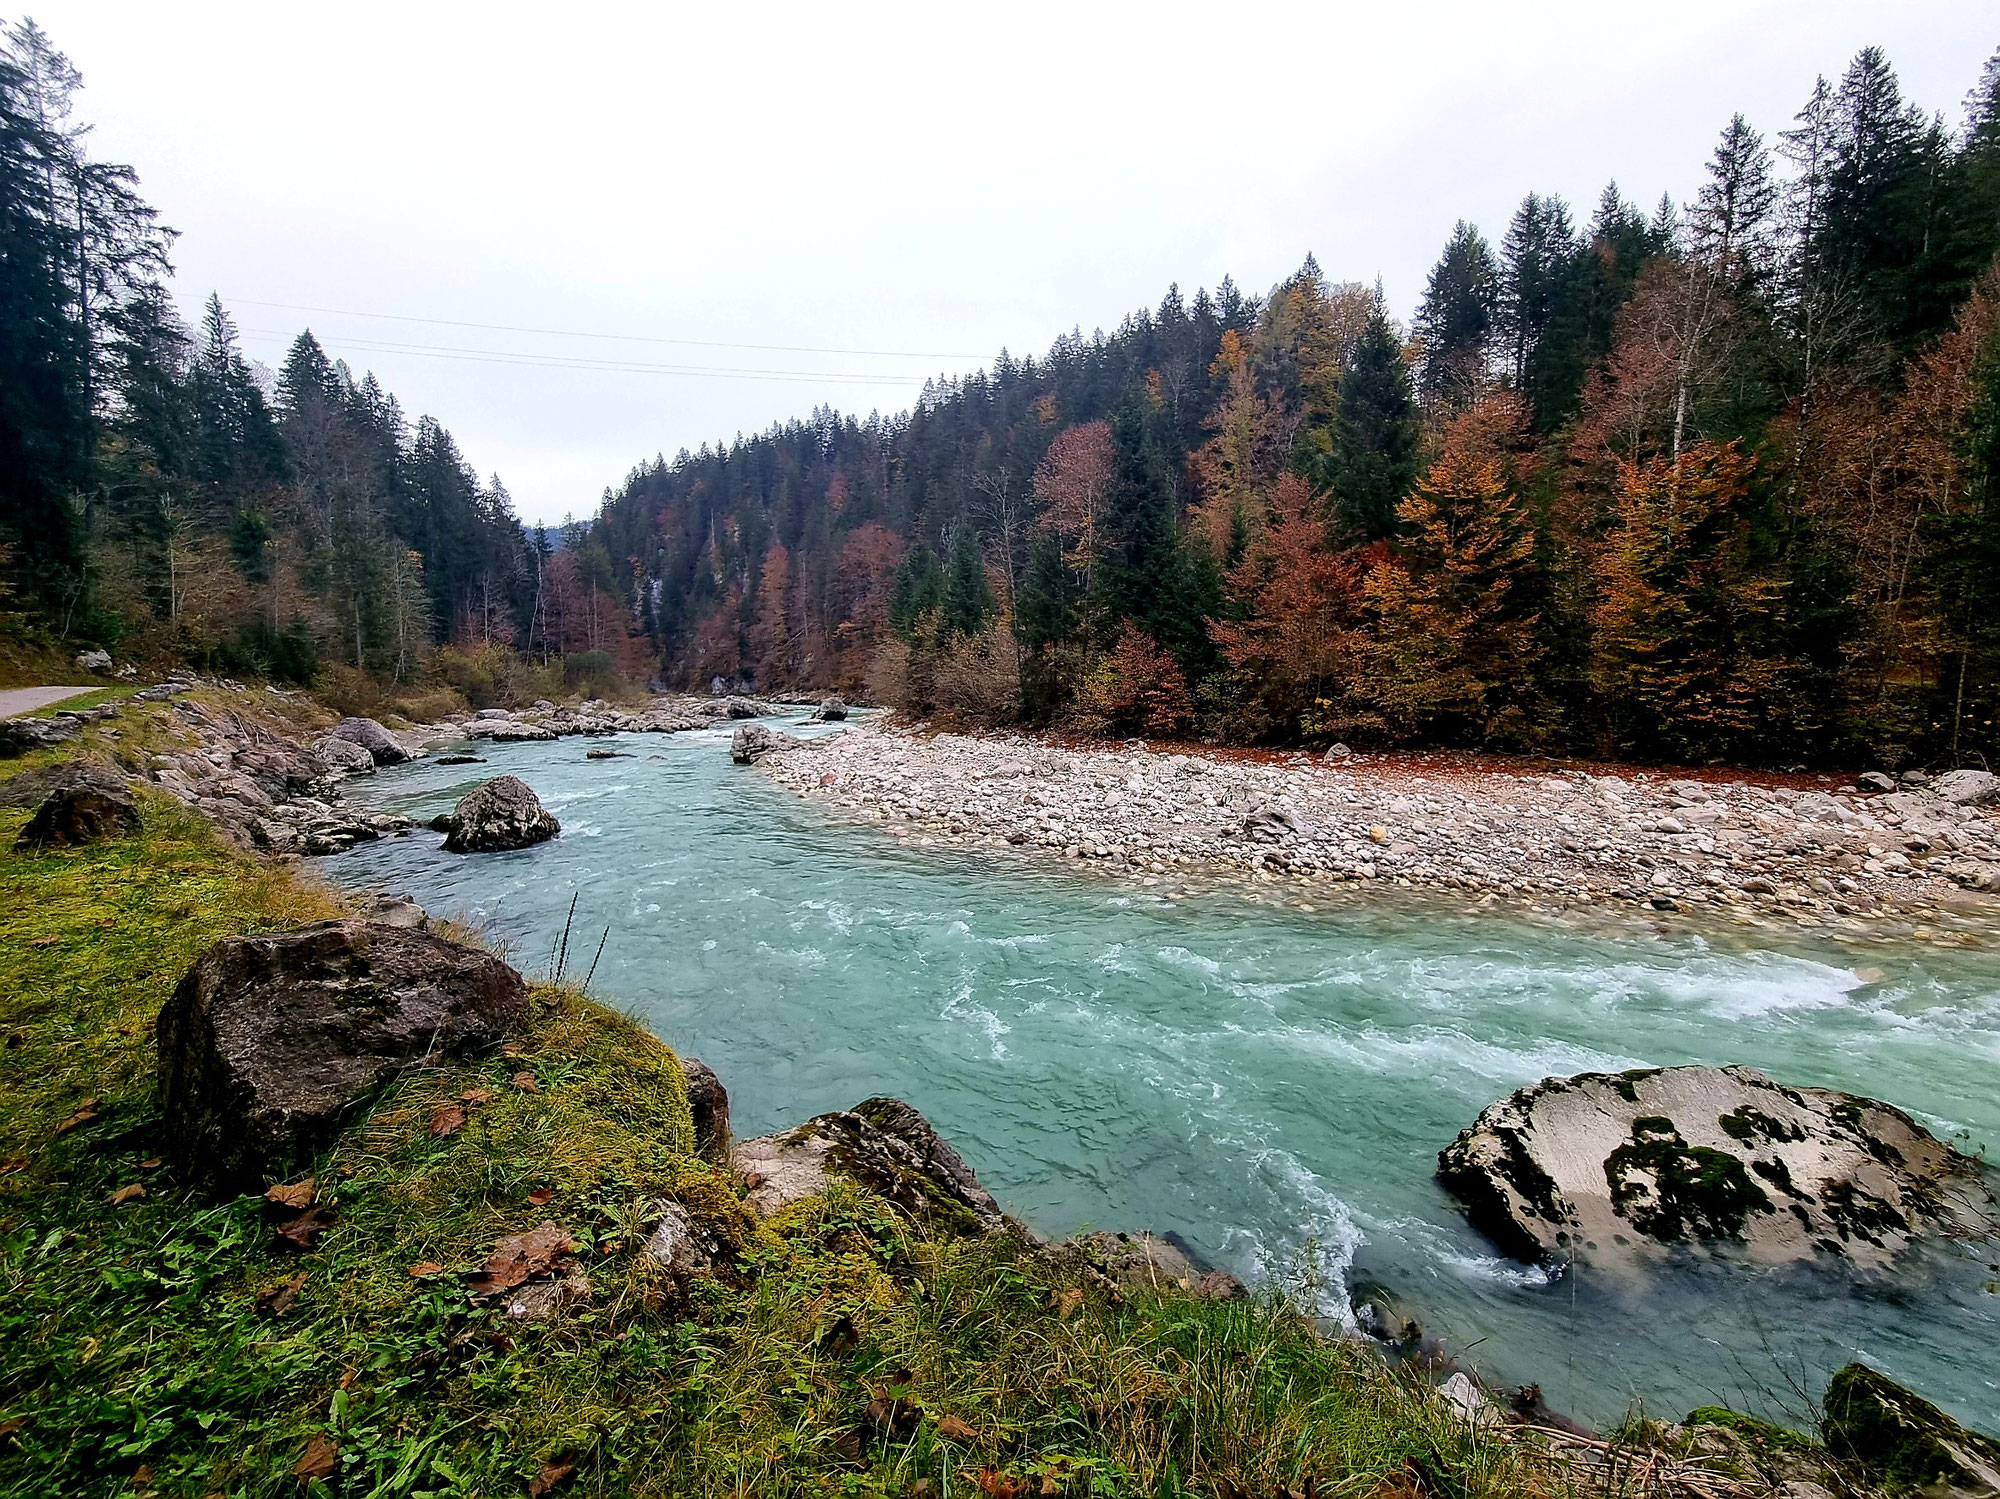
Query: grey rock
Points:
[743, 707]
[1151, 1262]
[882, 1144]
[503, 814]
[20, 735]
[1902, 1441]
[32, 787]
[1336, 752]
[1967, 788]
[752, 742]
[1874, 780]
[78, 814]
[382, 746]
[1274, 822]
[271, 1043]
[94, 660]
[677, 1244]
[393, 910]
[708, 1103]
[338, 756]
[1613, 1167]
[831, 710]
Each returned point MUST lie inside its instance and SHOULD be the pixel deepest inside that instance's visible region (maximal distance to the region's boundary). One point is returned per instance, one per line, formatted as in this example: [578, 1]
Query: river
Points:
[1270, 1082]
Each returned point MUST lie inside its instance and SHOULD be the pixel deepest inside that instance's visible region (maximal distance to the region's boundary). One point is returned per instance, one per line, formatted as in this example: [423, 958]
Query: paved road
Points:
[15, 701]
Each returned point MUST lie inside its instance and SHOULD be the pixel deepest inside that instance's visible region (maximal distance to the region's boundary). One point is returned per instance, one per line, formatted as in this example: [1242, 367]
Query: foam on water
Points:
[1271, 1084]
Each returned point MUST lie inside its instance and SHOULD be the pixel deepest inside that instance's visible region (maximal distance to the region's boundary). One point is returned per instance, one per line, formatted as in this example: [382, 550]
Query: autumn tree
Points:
[1453, 654]
[1072, 483]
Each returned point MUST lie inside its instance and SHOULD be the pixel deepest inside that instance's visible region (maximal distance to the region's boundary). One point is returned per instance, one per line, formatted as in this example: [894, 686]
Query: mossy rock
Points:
[1901, 1441]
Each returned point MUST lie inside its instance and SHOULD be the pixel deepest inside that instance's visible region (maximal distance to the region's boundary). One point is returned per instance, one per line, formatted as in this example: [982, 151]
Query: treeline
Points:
[1712, 480]
[162, 496]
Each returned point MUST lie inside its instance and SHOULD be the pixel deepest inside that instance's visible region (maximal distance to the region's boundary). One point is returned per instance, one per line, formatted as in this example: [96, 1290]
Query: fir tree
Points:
[1375, 435]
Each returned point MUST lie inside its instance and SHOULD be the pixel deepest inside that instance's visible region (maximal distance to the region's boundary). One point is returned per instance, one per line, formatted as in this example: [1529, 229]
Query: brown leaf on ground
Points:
[128, 1193]
[12, 1425]
[525, 1081]
[1066, 1302]
[542, 1196]
[321, 1459]
[15, 1163]
[45, 942]
[278, 1299]
[449, 1119]
[996, 1485]
[300, 1232]
[954, 1430]
[142, 1477]
[425, 1267]
[85, 1112]
[347, 1378]
[297, 1196]
[511, 1048]
[150, 1165]
[476, 1096]
[890, 1418]
[551, 1475]
[523, 1257]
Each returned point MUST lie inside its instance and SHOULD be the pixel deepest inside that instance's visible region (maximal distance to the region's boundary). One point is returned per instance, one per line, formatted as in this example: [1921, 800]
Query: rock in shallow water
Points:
[270, 1042]
[1610, 1167]
[503, 814]
[752, 742]
[382, 746]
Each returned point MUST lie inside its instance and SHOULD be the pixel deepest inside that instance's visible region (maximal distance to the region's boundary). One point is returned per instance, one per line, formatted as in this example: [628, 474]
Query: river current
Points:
[1269, 1082]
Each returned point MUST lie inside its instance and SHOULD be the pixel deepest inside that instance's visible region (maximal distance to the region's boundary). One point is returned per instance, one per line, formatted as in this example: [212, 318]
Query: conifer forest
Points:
[1714, 480]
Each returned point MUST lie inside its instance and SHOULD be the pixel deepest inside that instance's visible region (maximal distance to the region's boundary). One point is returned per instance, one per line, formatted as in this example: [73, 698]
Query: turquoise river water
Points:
[1273, 1084]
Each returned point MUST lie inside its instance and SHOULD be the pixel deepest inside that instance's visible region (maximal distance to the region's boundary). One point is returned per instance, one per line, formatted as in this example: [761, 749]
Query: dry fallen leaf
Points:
[298, 1196]
[85, 1112]
[1067, 1302]
[522, 1257]
[425, 1267]
[300, 1232]
[525, 1081]
[9, 1427]
[278, 1299]
[510, 1048]
[551, 1475]
[127, 1194]
[477, 1096]
[321, 1459]
[448, 1120]
[542, 1196]
[996, 1485]
[150, 1165]
[347, 1378]
[45, 942]
[954, 1430]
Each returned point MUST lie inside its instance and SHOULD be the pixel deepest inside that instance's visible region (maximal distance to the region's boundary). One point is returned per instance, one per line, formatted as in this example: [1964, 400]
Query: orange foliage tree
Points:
[1137, 688]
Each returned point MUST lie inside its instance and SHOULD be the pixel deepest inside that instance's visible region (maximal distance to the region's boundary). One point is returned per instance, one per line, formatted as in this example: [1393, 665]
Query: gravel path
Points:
[15, 701]
[1813, 854]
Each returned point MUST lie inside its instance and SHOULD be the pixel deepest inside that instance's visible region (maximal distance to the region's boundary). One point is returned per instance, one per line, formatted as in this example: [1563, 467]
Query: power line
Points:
[609, 366]
[700, 343]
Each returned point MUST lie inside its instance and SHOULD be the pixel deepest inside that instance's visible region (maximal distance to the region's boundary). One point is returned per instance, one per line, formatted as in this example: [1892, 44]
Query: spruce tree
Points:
[968, 601]
[1455, 324]
[1375, 435]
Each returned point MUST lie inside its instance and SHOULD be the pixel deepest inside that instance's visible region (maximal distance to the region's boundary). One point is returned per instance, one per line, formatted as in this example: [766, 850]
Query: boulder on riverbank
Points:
[347, 757]
[752, 742]
[1902, 1441]
[708, 1106]
[882, 1144]
[503, 814]
[1607, 1167]
[382, 746]
[83, 812]
[271, 1042]
[1160, 1264]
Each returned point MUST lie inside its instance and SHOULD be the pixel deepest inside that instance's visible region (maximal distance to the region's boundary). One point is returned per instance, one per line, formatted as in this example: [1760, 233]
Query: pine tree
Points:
[1375, 435]
[968, 600]
[1732, 219]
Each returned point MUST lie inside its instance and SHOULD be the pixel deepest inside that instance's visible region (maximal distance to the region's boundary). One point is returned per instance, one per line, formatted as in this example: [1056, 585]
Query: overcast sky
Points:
[833, 202]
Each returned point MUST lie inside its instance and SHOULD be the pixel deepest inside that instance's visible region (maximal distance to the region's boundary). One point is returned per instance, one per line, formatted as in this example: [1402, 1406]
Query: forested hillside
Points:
[1707, 480]
[1712, 480]
[161, 496]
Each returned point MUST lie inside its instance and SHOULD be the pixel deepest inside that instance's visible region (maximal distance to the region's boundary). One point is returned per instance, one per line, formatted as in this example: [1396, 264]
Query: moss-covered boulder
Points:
[883, 1145]
[1903, 1442]
[1612, 1166]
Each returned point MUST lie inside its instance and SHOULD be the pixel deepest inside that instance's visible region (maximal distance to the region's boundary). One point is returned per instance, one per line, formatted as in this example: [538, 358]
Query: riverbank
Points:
[1758, 849]
[159, 1339]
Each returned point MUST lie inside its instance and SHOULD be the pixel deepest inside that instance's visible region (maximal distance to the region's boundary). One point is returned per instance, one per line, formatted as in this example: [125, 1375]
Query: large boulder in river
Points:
[85, 811]
[883, 1145]
[272, 1042]
[1901, 1441]
[831, 710]
[752, 742]
[337, 756]
[382, 746]
[1608, 1167]
[505, 813]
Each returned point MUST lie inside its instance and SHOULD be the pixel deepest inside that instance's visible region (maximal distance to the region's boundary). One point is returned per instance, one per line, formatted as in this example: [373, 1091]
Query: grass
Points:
[167, 1345]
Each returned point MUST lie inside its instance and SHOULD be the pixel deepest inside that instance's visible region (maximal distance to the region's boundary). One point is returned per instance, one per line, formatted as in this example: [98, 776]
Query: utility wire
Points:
[587, 363]
[701, 343]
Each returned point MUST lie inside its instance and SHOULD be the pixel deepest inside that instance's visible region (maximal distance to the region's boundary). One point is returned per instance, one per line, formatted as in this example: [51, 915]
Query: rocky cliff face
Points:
[1611, 1167]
